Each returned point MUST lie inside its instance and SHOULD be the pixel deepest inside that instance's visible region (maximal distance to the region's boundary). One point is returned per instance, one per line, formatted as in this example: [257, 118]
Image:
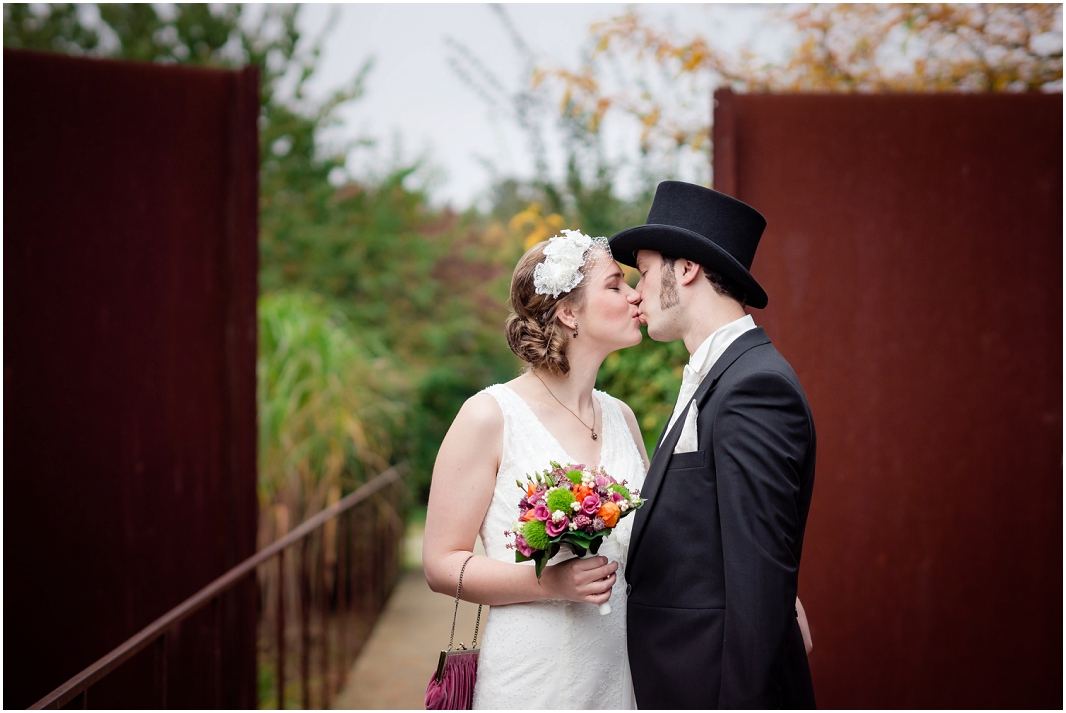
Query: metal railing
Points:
[340, 578]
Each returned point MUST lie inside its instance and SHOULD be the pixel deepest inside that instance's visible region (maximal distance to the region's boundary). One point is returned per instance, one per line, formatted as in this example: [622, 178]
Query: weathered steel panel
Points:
[913, 259]
[130, 261]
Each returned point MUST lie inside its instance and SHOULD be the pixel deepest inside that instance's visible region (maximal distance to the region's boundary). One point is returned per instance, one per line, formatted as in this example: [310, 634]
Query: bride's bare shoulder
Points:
[480, 413]
[625, 407]
[476, 433]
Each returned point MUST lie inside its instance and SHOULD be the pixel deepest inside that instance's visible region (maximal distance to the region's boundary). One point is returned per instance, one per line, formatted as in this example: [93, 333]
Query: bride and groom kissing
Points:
[702, 579]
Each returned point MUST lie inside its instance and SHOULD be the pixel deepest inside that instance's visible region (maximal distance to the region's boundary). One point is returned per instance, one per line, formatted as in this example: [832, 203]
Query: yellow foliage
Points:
[533, 227]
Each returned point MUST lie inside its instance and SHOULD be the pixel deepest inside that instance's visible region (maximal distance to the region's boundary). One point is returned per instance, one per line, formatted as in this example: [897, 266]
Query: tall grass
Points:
[330, 408]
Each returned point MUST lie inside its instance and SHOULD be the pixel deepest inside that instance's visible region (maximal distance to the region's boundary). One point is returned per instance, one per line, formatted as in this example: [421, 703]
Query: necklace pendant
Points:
[594, 436]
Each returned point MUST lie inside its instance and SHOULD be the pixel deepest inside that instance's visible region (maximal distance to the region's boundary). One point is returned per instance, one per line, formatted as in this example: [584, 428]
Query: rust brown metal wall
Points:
[130, 261]
[913, 259]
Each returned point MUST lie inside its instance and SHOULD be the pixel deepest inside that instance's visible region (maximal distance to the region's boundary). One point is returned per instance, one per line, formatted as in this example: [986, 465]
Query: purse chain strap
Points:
[477, 625]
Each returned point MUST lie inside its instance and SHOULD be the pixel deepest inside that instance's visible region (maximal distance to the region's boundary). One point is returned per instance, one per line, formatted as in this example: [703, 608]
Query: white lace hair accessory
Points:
[564, 259]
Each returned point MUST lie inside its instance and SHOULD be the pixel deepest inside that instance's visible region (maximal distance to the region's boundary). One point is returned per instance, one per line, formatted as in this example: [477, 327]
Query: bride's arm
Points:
[464, 478]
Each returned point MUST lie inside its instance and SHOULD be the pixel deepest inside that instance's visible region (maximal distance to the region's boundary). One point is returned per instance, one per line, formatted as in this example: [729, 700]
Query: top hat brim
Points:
[678, 242]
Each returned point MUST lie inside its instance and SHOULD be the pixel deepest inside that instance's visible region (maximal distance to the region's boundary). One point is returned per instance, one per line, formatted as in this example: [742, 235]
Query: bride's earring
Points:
[575, 330]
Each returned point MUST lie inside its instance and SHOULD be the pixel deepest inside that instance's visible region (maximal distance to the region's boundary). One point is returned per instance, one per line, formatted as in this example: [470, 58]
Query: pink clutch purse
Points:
[452, 685]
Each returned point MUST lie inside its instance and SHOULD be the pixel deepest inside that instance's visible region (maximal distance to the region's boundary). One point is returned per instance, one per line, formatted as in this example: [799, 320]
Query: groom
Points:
[715, 553]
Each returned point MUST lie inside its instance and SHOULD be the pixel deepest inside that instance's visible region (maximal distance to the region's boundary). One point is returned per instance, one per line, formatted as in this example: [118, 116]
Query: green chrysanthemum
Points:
[560, 499]
[536, 535]
[574, 476]
[620, 489]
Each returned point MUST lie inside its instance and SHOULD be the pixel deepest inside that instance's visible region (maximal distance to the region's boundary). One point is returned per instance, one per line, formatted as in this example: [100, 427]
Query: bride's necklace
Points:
[592, 428]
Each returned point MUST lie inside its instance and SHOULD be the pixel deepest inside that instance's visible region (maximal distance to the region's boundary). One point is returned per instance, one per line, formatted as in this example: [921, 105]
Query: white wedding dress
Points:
[555, 654]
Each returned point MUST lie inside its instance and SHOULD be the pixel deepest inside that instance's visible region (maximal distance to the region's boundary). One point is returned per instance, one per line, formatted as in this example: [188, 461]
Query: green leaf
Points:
[519, 557]
[540, 558]
[579, 538]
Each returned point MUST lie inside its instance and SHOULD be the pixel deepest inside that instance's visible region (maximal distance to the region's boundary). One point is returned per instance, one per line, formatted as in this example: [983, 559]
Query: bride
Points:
[571, 307]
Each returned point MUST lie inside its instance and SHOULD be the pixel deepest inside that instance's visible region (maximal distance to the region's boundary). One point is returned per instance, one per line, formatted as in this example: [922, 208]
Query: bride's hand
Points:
[587, 579]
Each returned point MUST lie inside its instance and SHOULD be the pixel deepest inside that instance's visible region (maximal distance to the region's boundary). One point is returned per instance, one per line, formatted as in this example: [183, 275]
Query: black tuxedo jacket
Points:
[715, 553]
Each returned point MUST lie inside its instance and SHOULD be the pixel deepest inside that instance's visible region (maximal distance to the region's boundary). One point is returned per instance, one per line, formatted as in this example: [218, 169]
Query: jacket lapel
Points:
[665, 450]
[747, 340]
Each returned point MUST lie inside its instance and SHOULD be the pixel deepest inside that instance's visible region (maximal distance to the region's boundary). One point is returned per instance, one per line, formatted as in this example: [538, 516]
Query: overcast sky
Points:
[414, 96]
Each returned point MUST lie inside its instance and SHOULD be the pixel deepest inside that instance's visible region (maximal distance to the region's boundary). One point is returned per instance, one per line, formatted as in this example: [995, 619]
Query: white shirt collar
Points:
[705, 356]
[700, 364]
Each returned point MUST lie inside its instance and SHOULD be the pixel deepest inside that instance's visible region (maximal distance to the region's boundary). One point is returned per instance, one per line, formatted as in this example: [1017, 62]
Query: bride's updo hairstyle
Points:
[533, 332]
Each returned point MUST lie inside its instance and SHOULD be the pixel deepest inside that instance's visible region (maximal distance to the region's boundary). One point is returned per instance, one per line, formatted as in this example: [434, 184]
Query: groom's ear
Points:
[689, 271]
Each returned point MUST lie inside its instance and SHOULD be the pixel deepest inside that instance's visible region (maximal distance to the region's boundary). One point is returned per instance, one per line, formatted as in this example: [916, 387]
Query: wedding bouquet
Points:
[568, 505]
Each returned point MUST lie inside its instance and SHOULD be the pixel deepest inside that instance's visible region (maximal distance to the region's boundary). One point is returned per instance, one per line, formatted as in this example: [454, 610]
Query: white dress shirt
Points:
[699, 365]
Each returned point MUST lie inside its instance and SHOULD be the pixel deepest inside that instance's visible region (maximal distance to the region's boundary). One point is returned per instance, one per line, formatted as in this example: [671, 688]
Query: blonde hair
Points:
[533, 332]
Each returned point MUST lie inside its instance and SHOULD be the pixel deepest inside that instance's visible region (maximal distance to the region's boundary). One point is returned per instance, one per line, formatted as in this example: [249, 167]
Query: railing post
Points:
[343, 608]
[279, 681]
[323, 620]
[305, 623]
[381, 552]
[363, 575]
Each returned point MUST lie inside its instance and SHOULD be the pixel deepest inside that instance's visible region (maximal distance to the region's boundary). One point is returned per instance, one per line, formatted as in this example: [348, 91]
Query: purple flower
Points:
[590, 505]
[541, 512]
[601, 491]
[602, 481]
[523, 546]
[598, 525]
[617, 497]
[536, 497]
[556, 527]
[582, 521]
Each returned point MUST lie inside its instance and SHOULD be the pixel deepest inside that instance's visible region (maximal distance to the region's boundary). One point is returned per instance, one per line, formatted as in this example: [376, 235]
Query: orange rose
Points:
[530, 489]
[581, 492]
[528, 516]
[609, 512]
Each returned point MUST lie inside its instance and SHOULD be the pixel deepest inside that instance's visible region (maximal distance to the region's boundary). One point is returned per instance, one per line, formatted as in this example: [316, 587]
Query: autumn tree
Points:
[668, 76]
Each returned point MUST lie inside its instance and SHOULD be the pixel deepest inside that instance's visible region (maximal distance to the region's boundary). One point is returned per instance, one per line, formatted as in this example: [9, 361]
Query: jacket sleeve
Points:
[761, 437]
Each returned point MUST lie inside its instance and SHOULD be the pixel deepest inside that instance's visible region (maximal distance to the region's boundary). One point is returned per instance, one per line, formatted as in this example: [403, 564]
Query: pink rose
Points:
[617, 497]
[536, 497]
[553, 527]
[523, 546]
[541, 512]
[602, 481]
[590, 505]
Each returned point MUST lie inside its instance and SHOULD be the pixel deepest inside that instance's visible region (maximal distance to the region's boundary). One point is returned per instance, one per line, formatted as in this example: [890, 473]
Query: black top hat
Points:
[698, 224]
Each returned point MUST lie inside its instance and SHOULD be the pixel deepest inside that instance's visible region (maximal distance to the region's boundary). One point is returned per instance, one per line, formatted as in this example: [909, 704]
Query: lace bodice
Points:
[585, 652]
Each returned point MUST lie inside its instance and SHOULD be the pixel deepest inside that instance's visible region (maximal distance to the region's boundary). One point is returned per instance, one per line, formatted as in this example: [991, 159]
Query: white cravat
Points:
[699, 365]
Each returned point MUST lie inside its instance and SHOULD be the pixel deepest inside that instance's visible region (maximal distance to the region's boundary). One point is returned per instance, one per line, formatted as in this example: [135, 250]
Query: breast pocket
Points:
[684, 461]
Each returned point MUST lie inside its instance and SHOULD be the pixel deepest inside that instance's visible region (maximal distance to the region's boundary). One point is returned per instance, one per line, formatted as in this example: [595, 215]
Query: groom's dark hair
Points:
[721, 284]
